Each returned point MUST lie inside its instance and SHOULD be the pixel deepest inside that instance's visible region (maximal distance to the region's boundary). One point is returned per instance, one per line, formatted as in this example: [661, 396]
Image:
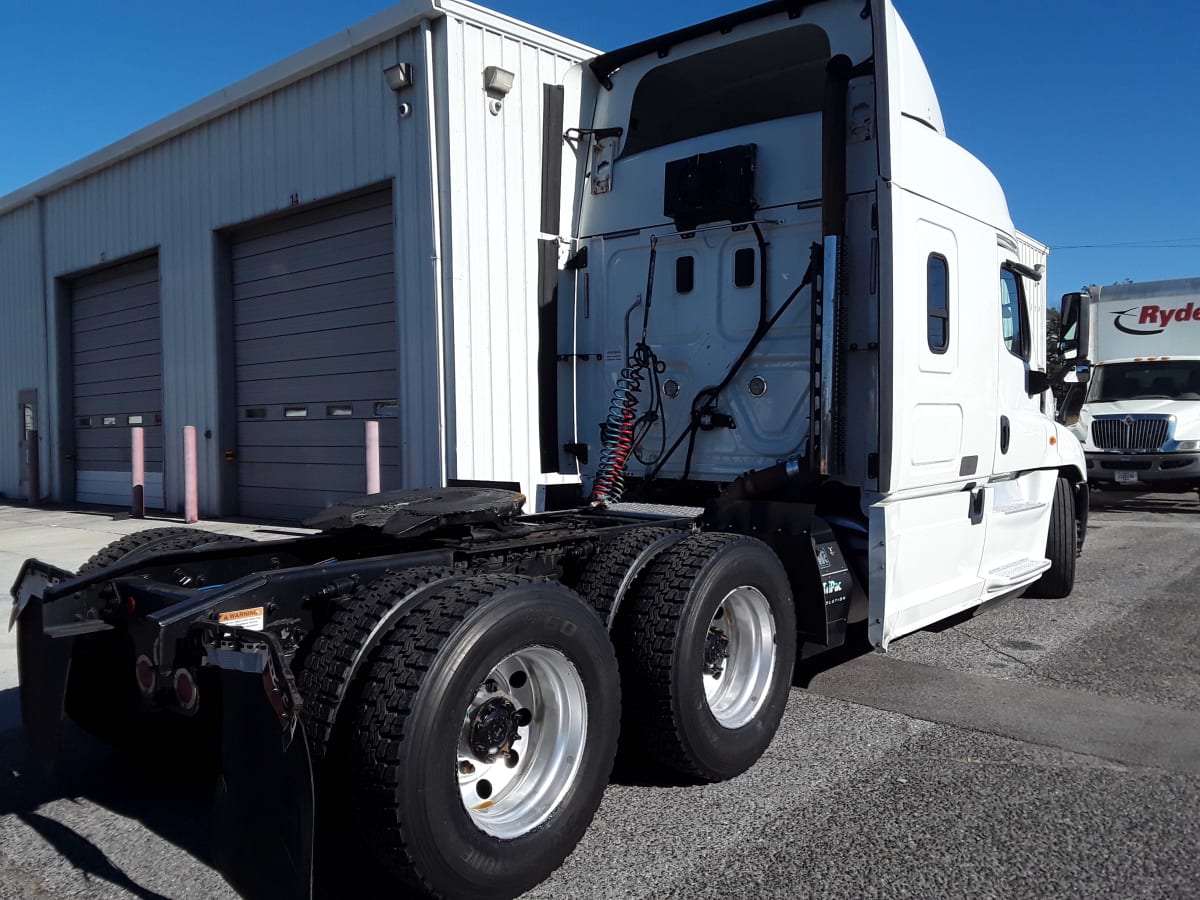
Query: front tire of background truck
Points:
[102, 695]
[1062, 546]
[485, 736]
[712, 645]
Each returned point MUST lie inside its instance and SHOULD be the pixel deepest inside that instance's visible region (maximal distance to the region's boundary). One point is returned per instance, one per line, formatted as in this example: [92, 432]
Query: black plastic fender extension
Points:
[264, 806]
[45, 641]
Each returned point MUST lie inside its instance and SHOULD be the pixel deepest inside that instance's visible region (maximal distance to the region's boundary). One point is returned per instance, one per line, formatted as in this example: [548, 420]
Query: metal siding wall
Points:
[324, 135]
[321, 136]
[22, 340]
[493, 172]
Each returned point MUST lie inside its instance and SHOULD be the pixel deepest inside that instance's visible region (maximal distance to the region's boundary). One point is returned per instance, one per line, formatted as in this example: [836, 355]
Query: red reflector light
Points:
[186, 693]
[146, 676]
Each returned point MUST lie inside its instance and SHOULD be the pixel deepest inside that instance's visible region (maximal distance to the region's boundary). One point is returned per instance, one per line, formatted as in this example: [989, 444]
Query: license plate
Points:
[1126, 477]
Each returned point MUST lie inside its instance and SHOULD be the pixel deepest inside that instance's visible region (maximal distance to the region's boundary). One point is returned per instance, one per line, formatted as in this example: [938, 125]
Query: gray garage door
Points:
[315, 354]
[116, 357]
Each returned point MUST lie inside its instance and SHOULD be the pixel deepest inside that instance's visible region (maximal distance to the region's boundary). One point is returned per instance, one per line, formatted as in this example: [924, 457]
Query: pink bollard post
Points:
[137, 455]
[190, 504]
[372, 456]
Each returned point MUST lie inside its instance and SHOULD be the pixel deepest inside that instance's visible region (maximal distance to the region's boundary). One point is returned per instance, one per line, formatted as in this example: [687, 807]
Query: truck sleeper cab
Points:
[791, 346]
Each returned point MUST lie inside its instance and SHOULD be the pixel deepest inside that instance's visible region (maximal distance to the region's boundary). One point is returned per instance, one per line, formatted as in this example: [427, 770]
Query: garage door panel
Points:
[142, 297]
[341, 364]
[333, 342]
[351, 223]
[347, 480]
[329, 275]
[314, 318]
[346, 456]
[116, 404]
[132, 384]
[311, 432]
[116, 372]
[115, 280]
[118, 337]
[141, 366]
[320, 391]
[379, 198]
[366, 291]
[352, 317]
[339, 250]
[119, 316]
[103, 456]
[98, 437]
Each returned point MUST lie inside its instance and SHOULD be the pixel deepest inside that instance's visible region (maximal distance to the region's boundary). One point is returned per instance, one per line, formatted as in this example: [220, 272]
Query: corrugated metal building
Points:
[305, 250]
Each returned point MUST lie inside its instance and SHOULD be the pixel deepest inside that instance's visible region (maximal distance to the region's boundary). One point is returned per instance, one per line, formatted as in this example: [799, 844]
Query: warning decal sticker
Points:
[244, 618]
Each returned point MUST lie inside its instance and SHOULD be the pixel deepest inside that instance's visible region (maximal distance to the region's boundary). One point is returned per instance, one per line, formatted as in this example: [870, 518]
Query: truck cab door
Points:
[1021, 486]
[1022, 428]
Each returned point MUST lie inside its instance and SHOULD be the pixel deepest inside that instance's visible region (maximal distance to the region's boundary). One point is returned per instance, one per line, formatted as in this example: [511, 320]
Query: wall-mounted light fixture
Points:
[497, 82]
[399, 76]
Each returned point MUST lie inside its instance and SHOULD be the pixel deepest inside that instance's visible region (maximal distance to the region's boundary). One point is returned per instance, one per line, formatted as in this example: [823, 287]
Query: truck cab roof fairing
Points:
[604, 65]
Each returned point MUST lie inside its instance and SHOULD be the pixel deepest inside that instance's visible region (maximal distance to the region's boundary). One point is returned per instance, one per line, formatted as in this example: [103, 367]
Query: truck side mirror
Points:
[1070, 322]
[1036, 382]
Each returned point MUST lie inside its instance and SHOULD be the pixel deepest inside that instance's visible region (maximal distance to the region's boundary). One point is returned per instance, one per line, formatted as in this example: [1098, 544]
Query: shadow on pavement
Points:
[1132, 502]
[173, 803]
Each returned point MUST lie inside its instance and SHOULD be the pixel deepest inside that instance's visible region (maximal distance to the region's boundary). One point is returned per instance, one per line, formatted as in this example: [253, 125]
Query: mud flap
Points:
[263, 810]
[46, 634]
[43, 667]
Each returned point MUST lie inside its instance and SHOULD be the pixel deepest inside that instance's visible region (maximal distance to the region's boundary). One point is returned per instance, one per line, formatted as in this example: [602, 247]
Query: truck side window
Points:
[1014, 326]
[743, 267]
[685, 274]
[937, 294]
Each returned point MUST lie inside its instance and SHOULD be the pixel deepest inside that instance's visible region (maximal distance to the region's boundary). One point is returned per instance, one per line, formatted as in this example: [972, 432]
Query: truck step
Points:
[1015, 573]
[656, 510]
[1019, 506]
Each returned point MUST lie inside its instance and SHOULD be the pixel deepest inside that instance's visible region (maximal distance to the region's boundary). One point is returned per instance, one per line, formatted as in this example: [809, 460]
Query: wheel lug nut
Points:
[466, 767]
[491, 686]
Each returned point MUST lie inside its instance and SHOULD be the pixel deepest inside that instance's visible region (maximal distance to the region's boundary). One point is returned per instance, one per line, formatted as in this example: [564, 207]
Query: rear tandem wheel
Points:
[713, 643]
[485, 736]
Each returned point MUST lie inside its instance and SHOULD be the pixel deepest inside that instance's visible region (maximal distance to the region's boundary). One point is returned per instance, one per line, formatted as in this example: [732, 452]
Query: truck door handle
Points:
[1004, 434]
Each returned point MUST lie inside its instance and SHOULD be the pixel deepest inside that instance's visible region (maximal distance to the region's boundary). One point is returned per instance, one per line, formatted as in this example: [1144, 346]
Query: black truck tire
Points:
[471, 664]
[155, 540]
[344, 644]
[712, 647]
[1061, 546]
[611, 572]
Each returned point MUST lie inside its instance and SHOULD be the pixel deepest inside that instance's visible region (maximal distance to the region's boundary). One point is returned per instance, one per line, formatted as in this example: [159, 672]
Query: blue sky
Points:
[1089, 116]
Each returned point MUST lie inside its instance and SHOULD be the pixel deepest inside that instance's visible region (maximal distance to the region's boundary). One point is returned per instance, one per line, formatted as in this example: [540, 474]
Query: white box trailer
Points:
[1136, 407]
[788, 341]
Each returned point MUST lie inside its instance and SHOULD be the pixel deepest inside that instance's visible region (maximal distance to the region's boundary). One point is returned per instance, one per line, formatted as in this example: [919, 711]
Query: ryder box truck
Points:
[1136, 409]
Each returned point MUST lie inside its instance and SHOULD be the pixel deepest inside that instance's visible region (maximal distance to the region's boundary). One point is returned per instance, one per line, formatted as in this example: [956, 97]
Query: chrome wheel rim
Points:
[739, 657]
[522, 741]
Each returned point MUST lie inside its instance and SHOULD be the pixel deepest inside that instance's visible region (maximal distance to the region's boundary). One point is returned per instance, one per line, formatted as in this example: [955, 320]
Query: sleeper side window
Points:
[937, 299]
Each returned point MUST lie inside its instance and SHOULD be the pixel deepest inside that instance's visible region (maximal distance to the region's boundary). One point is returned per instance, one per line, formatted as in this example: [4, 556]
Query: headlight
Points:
[1188, 446]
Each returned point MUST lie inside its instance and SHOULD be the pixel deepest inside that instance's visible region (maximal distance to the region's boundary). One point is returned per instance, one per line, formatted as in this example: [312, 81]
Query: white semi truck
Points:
[790, 342]
[1135, 350]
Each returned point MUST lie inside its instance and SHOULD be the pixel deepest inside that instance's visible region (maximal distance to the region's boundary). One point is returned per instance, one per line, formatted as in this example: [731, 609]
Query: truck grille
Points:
[1130, 433]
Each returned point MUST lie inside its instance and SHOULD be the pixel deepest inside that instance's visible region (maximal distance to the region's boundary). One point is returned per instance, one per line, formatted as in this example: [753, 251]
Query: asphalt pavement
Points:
[1037, 749]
